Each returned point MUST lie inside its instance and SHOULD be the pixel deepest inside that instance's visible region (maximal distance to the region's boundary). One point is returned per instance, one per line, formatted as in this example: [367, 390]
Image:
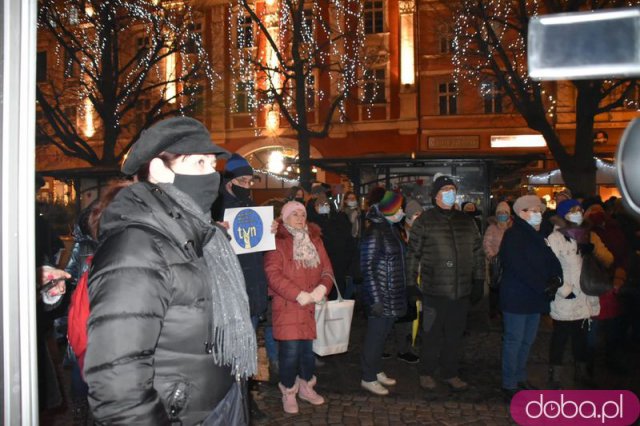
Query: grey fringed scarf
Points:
[234, 339]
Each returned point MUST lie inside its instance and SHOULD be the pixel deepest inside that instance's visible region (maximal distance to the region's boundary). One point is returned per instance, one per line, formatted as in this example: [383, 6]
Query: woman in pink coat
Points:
[300, 275]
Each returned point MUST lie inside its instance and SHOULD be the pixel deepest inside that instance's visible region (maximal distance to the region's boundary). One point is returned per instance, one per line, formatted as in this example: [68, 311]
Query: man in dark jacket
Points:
[238, 175]
[236, 192]
[445, 254]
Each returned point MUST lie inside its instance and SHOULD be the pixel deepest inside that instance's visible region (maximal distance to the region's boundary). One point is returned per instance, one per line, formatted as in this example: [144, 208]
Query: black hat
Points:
[177, 135]
[439, 182]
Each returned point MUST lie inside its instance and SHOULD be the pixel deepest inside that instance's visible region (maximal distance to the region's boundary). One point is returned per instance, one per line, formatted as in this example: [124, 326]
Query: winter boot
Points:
[307, 393]
[554, 380]
[289, 402]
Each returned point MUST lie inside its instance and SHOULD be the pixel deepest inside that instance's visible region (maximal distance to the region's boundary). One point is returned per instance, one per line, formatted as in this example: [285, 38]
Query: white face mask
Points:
[397, 217]
[575, 217]
[352, 203]
[324, 209]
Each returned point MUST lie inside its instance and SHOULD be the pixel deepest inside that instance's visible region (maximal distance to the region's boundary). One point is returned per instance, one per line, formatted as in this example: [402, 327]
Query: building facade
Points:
[409, 116]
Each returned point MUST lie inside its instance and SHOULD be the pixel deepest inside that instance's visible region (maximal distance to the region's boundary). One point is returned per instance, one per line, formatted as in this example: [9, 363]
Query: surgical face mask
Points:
[449, 197]
[396, 217]
[203, 189]
[352, 203]
[575, 217]
[535, 218]
[324, 209]
[502, 217]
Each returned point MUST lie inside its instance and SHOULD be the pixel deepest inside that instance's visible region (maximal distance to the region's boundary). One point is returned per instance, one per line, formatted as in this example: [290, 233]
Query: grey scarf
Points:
[234, 339]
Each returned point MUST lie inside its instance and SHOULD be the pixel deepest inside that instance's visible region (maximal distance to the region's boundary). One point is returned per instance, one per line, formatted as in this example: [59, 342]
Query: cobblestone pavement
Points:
[408, 404]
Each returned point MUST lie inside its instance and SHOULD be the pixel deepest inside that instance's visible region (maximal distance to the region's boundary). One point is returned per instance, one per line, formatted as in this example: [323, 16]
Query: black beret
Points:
[177, 135]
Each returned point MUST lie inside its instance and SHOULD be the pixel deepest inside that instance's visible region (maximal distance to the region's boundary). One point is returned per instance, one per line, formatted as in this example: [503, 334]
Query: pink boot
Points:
[307, 393]
[289, 402]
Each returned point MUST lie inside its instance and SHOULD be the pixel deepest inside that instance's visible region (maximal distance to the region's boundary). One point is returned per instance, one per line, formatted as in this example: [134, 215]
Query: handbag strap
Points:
[335, 284]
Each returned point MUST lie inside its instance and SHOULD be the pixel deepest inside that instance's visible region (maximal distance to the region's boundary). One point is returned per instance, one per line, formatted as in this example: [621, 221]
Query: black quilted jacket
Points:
[382, 260]
[445, 249]
[150, 301]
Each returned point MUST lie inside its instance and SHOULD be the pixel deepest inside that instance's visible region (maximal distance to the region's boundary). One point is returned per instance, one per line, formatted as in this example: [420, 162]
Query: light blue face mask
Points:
[535, 219]
[502, 217]
[449, 197]
[324, 209]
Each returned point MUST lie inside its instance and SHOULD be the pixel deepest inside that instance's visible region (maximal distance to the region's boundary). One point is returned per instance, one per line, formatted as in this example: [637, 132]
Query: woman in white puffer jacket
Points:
[571, 309]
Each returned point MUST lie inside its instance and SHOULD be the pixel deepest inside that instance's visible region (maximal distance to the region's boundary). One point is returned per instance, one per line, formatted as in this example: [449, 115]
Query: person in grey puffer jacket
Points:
[169, 326]
[382, 261]
[445, 256]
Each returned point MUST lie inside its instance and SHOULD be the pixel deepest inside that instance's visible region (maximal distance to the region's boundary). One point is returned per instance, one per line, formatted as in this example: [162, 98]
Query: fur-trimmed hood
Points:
[282, 232]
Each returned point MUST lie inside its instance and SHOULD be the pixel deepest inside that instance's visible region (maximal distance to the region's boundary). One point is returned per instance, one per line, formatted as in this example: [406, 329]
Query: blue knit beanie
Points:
[564, 207]
[237, 166]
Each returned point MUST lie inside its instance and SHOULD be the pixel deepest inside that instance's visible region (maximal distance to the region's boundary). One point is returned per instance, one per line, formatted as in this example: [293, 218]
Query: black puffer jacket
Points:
[445, 248]
[252, 263]
[382, 260]
[150, 315]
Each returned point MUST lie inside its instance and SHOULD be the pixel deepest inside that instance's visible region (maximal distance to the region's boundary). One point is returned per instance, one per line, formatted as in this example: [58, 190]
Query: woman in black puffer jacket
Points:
[382, 262]
[169, 326]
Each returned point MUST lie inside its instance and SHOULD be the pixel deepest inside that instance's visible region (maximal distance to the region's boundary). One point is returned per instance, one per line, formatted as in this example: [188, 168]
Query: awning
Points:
[605, 175]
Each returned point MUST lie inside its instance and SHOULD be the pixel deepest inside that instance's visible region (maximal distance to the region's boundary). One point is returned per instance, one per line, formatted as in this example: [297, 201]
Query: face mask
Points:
[502, 217]
[352, 204]
[299, 199]
[203, 189]
[324, 209]
[397, 217]
[535, 219]
[449, 197]
[575, 217]
[240, 191]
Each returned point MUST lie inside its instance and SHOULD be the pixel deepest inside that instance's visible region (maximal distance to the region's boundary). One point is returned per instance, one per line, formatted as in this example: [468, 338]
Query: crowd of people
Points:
[174, 313]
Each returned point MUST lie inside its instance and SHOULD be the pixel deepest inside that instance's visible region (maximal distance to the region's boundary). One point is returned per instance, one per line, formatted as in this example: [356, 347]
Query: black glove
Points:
[414, 294]
[477, 291]
[377, 310]
[585, 248]
[552, 287]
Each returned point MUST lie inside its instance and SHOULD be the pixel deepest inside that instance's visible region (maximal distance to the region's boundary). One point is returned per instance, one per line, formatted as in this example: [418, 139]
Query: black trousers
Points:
[442, 345]
[577, 331]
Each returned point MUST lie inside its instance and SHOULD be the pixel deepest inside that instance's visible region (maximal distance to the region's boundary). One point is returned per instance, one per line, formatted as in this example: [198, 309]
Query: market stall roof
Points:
[605, 175]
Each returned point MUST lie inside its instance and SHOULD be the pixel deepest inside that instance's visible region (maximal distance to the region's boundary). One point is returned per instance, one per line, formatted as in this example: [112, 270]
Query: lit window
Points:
[373, 17]
[447, 101]
[375, 86]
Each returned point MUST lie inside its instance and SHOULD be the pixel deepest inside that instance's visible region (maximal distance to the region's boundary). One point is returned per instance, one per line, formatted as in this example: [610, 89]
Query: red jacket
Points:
[287, 279]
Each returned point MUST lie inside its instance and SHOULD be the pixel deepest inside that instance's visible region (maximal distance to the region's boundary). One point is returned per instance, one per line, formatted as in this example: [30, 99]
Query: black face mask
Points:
[203, 189]
[240, 191]
[300, 200]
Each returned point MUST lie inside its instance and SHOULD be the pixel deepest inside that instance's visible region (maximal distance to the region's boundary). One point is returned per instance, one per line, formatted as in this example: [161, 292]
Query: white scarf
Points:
[304, 252]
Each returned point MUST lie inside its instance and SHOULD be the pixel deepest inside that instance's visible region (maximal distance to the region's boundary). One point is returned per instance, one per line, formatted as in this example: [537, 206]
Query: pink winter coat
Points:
[287, 279]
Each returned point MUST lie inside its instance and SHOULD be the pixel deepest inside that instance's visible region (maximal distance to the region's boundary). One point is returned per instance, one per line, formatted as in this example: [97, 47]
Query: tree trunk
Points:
[303, 160]
[580, 180]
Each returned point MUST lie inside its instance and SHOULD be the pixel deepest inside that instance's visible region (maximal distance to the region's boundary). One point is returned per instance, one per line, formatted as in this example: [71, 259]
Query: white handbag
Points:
[333, 325]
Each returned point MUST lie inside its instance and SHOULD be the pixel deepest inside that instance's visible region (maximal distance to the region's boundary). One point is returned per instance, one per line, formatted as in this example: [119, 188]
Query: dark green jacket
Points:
[445, 249]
